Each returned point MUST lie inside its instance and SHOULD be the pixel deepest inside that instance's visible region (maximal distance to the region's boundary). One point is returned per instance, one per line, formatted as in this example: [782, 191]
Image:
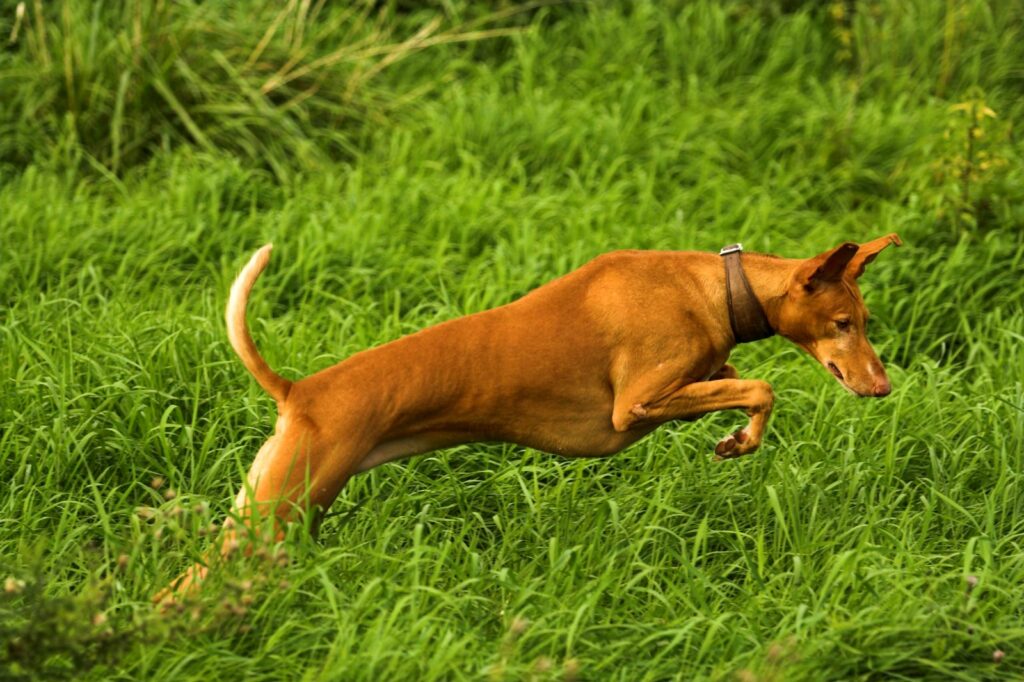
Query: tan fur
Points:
[238, 331]
[582, 366]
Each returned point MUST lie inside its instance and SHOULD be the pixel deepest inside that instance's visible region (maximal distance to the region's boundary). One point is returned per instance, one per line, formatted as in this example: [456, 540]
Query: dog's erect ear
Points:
[869, 250]
[827, 267]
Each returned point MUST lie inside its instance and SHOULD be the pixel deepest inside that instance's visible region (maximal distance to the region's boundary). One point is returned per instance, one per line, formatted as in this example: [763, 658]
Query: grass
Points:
[105, 86]
[845, 549]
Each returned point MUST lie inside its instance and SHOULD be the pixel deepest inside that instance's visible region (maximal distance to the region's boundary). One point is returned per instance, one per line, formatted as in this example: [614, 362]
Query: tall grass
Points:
[867, 540]
[286, 85]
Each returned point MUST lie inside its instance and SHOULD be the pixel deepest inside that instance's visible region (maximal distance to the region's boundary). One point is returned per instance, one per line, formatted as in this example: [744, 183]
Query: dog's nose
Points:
[882, 388]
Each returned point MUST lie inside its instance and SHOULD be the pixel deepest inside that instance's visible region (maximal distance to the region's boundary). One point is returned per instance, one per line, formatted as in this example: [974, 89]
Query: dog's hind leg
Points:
[299, 470]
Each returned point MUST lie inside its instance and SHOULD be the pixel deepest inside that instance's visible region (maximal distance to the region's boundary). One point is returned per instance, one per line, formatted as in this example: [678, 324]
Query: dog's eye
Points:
[843, 325]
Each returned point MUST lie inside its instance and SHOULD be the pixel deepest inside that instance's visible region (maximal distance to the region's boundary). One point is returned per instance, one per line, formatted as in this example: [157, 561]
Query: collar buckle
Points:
[732, 248]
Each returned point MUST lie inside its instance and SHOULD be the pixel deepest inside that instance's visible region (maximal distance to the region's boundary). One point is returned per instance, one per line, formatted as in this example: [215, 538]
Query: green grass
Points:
[841, 550]
[284, 85]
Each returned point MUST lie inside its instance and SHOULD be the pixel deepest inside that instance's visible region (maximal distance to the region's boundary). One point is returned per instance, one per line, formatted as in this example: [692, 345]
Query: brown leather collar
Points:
[746, 316]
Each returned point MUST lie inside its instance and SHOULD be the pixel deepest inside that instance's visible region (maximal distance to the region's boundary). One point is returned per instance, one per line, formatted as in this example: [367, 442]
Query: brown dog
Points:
[582, 367]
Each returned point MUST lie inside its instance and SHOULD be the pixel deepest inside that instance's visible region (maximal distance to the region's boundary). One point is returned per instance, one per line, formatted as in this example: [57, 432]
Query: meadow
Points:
[449, 158]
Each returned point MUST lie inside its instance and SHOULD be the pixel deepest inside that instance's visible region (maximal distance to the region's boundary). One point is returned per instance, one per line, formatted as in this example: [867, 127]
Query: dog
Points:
[583, 366]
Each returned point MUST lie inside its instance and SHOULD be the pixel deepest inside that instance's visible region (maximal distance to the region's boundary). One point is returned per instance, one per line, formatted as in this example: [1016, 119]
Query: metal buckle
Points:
[732, 248]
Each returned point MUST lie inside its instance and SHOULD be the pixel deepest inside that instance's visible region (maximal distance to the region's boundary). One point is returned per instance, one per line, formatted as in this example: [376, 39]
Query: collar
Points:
[746, 316]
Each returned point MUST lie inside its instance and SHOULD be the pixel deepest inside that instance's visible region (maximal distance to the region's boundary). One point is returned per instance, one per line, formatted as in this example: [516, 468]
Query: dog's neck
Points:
[769, 279]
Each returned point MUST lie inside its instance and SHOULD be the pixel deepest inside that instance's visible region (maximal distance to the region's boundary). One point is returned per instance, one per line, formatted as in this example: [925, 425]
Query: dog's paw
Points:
[735, 445]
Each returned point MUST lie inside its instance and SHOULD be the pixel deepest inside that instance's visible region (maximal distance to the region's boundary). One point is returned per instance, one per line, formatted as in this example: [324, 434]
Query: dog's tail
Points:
[238, 332]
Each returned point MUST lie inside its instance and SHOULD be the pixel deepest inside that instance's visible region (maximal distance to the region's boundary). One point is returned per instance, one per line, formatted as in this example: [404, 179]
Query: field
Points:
[867, 539]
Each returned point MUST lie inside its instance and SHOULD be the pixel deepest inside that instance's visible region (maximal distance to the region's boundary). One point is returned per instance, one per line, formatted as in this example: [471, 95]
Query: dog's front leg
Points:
[696, 399]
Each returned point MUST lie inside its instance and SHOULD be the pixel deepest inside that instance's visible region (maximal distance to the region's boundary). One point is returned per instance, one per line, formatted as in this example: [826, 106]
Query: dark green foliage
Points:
[103, 86]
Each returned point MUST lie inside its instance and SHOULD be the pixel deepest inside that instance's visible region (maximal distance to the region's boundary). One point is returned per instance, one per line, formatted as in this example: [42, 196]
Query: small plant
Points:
[54, 636]
[48, 633]
[971, 160]
[841, 12]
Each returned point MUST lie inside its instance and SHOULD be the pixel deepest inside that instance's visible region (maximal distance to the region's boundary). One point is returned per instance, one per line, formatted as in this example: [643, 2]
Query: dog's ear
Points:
[826, 267]
[867, 252]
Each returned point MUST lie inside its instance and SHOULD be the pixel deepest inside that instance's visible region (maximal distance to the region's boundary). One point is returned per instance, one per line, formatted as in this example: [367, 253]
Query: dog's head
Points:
[823, 312]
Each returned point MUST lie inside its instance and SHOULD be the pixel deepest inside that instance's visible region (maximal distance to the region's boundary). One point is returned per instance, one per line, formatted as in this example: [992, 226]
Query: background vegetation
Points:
[414, 162]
